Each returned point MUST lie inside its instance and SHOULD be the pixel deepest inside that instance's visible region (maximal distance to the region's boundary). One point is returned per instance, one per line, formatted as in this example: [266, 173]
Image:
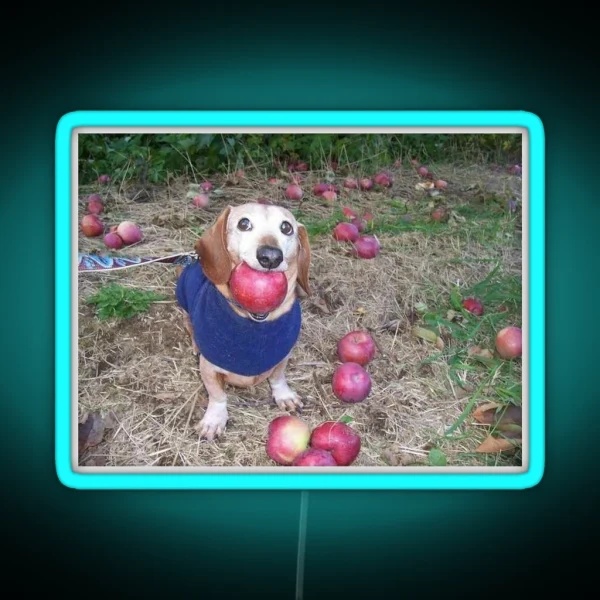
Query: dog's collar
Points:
[258, 317]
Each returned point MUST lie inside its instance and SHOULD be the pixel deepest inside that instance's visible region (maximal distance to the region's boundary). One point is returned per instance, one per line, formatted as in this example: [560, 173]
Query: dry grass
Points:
[142, 371]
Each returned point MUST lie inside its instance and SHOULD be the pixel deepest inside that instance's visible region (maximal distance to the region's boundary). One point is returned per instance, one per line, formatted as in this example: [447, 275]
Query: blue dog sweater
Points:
[226, 339]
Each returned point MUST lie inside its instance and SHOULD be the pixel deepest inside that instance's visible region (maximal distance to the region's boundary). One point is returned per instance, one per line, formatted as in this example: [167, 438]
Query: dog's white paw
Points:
[214, 422]
[286, 398]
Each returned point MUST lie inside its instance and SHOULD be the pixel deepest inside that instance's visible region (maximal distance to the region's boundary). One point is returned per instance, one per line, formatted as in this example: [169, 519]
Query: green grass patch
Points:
[118, 302]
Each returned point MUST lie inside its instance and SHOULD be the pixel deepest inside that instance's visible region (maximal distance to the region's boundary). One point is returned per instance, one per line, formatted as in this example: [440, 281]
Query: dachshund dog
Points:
[237, 347]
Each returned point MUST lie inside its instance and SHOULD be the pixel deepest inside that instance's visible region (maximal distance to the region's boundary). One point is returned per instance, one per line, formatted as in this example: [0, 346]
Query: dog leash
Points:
[100, 262]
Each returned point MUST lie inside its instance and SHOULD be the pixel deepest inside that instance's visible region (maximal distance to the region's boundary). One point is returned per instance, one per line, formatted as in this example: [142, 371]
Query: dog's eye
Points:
[286, 228]
[244, 225]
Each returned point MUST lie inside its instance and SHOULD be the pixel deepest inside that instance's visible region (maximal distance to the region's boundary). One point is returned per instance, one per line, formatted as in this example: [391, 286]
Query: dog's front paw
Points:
[287, 399]
[214, 422]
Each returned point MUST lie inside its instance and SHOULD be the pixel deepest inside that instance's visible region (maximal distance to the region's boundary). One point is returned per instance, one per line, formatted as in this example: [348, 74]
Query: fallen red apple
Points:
[368, 217]
[359, 224]
[95, 206]
[333, 165]
[301, 166]
[365, 183]
[350, 183]
[345, 232]
[206, 186]
[330, 196]
[509, 342]
[397, 163]
[259, 292]
[320, 188]
[273, 180]
[440, 184]
[473, 305]
[104, 179]
[294, 192]
[384, 179]
[366, 246]
[357, 347]
[129, 232]
[201, 201]
[287, 437]
[515, 169]
[351, 383]
[113, 241]
[348, 212]
[337, 438]
[422, 171]
[264, 201]
[314, 457]
[92, 226]
[240, 173]
[440, 214]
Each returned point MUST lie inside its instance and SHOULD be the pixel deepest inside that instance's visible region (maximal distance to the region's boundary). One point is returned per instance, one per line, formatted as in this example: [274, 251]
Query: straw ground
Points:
[138, 374]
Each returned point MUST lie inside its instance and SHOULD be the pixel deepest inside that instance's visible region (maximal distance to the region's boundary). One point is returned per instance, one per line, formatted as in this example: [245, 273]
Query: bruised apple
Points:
[288, 437]
[259, 292]
[509, 342]
[338, 439]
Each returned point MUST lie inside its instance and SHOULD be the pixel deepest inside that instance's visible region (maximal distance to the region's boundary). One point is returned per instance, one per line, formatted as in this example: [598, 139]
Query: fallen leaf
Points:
[390, 458]
[437, 458]
[434, 193]
[346, 419]
[491, 445]
[429, 336]
[451, 315]
[425, 185]
[321, 305]
[91, 432]
[501, 416]
[425, 334]
[360, 311]
[421, 307]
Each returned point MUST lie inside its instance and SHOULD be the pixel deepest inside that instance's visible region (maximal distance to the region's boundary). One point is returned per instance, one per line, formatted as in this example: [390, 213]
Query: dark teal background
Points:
[236, 542]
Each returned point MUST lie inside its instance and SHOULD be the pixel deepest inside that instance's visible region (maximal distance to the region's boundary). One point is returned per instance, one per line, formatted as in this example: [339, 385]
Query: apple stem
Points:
[301, 545]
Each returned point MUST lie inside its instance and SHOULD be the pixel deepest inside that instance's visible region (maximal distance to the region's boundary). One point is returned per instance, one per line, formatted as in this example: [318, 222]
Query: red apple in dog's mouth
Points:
[337, 438]
[259, 292]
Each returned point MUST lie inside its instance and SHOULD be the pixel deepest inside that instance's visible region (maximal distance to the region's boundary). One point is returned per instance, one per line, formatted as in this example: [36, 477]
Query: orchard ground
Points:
[139, 377]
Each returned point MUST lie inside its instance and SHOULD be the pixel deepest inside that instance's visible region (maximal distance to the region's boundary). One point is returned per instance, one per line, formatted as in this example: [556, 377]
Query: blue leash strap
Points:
[99, 262]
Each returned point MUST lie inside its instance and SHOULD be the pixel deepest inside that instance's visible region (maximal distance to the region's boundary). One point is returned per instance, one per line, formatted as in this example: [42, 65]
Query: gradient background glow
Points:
[358, 543]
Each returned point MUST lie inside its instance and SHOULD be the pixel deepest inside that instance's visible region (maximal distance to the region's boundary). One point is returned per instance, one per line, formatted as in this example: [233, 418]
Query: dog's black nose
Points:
[269, 257]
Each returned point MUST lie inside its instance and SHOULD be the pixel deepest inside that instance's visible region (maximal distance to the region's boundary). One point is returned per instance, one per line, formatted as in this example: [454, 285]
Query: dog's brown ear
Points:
[212, 250]
[303, 258]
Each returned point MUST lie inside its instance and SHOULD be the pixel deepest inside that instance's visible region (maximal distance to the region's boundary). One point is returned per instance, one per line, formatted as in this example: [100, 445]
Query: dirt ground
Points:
[141, 376]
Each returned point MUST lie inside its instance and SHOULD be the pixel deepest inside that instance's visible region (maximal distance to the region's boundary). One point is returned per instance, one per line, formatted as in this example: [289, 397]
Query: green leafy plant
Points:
[116, 301]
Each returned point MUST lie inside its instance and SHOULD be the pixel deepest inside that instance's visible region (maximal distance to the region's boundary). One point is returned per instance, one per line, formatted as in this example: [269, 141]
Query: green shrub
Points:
[156, 157]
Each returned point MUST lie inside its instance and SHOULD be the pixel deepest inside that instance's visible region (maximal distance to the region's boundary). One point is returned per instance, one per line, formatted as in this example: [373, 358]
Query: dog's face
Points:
[266, 237]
